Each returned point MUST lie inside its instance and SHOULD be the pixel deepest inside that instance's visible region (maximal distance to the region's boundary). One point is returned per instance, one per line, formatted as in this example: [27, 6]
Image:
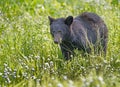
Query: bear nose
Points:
[56, 41]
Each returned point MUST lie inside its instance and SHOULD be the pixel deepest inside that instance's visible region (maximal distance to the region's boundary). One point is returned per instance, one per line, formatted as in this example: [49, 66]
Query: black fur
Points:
[82, 32]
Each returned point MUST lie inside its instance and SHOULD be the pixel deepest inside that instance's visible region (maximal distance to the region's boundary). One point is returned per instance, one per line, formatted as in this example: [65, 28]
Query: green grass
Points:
[29, 58]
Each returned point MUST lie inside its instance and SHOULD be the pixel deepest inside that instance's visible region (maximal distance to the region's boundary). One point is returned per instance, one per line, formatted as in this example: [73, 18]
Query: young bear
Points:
[82, 32]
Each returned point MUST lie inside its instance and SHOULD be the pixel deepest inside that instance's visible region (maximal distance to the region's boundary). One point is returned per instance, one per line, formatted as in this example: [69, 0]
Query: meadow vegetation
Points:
[29, 58]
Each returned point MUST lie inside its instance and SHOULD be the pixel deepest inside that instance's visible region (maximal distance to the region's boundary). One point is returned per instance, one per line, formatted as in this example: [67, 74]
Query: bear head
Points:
[60, 28]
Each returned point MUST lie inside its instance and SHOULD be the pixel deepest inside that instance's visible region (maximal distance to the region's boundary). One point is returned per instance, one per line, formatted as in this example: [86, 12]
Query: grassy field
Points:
[29, 58]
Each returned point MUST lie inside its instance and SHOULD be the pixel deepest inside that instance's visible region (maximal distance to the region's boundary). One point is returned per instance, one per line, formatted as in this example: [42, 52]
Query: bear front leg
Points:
[67, 52]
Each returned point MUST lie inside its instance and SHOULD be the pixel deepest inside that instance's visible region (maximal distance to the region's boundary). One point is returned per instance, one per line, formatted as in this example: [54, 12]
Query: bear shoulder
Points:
[92, 17]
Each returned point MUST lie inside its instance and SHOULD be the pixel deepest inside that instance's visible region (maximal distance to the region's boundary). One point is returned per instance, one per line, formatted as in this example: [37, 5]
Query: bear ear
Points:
[69, 20]
[51, 19]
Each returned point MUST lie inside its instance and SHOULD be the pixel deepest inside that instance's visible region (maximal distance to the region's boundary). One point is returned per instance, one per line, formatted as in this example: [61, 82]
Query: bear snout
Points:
[57, 41]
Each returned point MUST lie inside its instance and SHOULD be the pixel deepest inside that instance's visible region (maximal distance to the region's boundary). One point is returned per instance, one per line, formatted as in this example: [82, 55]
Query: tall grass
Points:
[28, 56]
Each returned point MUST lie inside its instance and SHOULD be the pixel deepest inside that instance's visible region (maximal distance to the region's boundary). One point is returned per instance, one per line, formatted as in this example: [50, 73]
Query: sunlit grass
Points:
[28, 56]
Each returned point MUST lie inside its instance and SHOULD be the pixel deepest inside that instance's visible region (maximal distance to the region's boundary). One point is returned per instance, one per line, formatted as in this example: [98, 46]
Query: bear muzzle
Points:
[57, 39]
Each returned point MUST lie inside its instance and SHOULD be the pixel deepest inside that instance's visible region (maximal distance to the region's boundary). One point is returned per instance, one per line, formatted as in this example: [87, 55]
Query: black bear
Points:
[82, 32]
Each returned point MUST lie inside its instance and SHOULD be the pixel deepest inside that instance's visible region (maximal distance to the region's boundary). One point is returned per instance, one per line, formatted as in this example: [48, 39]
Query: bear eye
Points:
[59, 31]
[53, 32]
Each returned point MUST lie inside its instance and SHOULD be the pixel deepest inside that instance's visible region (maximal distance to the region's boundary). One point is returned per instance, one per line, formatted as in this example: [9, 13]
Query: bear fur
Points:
[82, 32]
